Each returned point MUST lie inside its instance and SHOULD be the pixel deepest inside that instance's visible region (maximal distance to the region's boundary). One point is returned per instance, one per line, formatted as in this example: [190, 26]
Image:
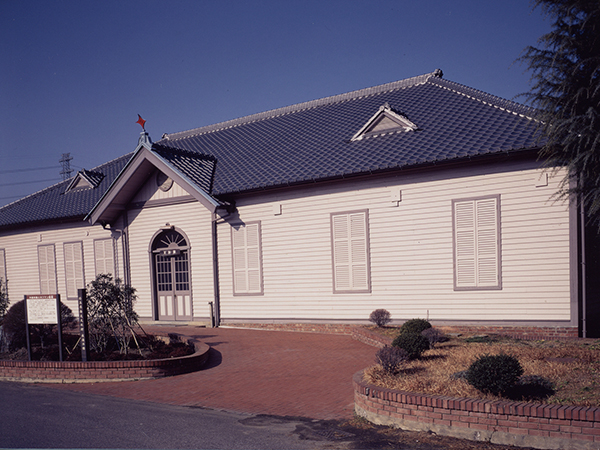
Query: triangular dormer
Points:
[385, 121]
[85, 179]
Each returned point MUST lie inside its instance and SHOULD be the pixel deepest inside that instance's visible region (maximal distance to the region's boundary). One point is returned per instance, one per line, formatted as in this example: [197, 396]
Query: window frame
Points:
[478, 284]
[258, 259]
[366, 287]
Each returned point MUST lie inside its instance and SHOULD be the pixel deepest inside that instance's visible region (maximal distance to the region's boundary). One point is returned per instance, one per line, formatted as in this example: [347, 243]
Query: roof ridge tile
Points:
[352, 95]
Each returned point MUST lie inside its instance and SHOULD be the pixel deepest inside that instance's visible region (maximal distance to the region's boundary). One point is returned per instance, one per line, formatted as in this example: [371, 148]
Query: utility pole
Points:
[66, 166]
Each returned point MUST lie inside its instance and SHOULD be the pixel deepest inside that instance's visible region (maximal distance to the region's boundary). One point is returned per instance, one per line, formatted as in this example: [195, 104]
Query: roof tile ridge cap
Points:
[112, 161]
[360, 93]
[184, 151]
[510, 106]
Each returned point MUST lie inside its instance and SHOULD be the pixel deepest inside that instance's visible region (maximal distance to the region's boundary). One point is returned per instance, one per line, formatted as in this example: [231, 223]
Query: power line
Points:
[29, 182]
[29, 170]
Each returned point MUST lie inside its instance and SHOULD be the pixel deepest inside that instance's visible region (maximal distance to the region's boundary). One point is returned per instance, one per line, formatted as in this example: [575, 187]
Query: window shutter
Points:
[3, 268]
[74, 268]
[350, 252]
[104, 257]
[47, 269]
[247, 269]
[476, 231]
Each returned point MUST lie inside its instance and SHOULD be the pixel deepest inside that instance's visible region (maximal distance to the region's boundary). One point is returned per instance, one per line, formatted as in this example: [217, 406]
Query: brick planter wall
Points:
[360, 332]
[499, 422]
[95, 371]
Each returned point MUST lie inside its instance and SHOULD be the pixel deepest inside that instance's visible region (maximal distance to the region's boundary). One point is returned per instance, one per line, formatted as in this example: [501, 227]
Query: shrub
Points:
[16, 333]
[111, 317]
[3, 299]
[391, 358]
[494, 374]
[414, 344]
[414, 326]
[434, 336]
[380, 317]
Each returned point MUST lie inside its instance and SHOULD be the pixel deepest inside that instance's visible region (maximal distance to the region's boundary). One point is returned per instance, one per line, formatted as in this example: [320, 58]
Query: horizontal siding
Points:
[411, 248]
[22, 260]
[195, 222]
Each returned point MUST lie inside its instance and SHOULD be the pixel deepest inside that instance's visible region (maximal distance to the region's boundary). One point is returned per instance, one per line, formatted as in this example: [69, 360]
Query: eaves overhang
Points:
[136, 172]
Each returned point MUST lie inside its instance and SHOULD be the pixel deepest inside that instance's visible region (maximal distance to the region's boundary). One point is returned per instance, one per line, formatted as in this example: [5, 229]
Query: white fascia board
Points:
[143, 153]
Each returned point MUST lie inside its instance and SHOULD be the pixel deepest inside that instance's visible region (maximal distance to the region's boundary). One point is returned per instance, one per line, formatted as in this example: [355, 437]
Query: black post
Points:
[27, 327]
[83, 324]
[59, 315]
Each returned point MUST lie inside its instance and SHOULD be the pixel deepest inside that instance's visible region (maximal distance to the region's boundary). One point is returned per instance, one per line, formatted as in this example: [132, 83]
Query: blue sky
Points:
[75, 74]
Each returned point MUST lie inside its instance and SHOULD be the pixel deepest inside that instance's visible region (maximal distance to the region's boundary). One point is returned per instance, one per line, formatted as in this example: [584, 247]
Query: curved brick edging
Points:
[499, 422]
[97, 371]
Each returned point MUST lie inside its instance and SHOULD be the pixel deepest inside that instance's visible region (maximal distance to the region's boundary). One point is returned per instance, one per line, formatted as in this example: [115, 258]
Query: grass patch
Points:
[573, 367]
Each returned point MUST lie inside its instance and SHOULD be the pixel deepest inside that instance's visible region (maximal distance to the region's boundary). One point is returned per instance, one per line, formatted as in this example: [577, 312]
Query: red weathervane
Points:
[142, 122]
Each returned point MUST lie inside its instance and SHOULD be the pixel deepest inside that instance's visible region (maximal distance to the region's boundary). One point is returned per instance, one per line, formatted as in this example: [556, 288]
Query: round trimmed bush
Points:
[416, 326]
[494, 374]
[414, 344]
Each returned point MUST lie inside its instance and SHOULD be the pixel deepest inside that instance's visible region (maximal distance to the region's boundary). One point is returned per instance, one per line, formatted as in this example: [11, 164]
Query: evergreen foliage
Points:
[414, 344]
[414, 326]
[494, 374]
[566, 90]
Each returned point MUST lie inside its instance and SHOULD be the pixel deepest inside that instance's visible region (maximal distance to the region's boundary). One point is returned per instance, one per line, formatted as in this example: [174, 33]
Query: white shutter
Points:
[247, 267]
[47, 268]
[476, 232]
[3, 268]
[104, 257]
[74, 268]
[350, 252]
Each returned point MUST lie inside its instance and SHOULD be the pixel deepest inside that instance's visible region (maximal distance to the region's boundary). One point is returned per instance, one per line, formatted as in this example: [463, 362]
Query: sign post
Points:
[83, 324]
[43, 310]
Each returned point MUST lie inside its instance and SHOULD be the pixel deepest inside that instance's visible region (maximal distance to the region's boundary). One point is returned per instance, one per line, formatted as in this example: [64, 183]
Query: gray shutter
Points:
[487, 242]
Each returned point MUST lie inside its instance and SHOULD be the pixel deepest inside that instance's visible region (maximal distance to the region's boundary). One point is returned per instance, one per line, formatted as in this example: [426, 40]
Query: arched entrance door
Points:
[170, 259]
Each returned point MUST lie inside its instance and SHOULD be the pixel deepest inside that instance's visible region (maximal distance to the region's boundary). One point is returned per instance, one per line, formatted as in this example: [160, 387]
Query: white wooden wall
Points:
[411, 248]
[22, 258]
[191, 218]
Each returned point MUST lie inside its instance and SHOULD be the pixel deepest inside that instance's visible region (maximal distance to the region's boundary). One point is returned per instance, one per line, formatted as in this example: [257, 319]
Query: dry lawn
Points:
[572, 366]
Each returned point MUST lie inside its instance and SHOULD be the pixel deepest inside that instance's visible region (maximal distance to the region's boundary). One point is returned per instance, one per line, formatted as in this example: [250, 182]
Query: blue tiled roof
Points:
[53, 203]
[312, 141]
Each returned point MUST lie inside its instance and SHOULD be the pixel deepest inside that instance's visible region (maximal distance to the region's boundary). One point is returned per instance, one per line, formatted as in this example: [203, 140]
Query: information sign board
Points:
[41, 309]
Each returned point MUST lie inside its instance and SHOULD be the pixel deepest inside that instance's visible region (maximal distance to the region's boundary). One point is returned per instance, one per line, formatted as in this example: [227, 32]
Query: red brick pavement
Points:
[258, 372]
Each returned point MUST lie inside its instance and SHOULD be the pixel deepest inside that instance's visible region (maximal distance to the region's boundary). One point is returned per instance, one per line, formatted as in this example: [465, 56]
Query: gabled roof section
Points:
[385, 120]
[85, 179]
[312, 141]
[53, 204]
[192, 171]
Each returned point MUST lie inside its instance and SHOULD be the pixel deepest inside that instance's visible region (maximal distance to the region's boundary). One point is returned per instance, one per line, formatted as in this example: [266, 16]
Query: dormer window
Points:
[85, 179]
[385, 121]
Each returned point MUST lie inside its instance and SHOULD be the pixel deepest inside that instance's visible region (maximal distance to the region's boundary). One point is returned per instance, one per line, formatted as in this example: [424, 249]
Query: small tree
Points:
[380, 317]
[4, 302]
[110, 313]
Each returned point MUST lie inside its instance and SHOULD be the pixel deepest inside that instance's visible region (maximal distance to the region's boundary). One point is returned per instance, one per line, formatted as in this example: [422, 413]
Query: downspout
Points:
[215, 222]
[583, 271]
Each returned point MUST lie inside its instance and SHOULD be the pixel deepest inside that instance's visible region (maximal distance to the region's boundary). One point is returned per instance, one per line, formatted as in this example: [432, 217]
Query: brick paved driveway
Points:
[258, 372]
